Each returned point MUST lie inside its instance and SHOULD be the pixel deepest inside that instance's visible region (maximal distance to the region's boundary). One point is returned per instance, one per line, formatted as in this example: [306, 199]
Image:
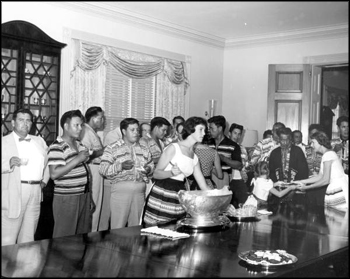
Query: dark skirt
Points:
[163, 205]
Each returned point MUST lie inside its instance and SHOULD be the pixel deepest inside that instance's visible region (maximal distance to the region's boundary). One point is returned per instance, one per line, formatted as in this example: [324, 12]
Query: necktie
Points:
[22, 139]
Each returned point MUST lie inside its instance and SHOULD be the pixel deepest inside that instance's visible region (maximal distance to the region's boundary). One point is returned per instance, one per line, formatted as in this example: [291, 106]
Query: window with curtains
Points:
[127, 97]
[126, 83]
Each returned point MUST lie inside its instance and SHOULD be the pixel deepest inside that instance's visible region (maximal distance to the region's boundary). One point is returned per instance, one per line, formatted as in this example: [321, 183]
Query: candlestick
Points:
[212, 107]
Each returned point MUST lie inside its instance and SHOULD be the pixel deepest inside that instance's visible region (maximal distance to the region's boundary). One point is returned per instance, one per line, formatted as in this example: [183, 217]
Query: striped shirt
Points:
[154, 148]
[117, 153]
[263, 150]
[73, 182]
[229, 149]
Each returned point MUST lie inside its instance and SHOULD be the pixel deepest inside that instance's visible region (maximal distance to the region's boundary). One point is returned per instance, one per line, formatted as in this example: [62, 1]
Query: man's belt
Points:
[95, 163]
[31, 181]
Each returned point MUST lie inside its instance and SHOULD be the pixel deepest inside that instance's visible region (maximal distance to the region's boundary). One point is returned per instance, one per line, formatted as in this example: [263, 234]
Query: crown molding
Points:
[296, 36]
[105, 11]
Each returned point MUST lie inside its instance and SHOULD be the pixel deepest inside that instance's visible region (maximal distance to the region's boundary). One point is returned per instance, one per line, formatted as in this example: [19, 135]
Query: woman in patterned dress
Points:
[209, 163]
[331, 174]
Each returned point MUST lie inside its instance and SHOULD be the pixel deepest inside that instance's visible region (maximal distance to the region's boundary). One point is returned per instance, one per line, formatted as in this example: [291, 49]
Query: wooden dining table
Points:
[316, 236]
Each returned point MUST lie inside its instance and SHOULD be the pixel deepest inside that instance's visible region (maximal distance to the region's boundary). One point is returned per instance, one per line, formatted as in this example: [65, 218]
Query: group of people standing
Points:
[133, 176]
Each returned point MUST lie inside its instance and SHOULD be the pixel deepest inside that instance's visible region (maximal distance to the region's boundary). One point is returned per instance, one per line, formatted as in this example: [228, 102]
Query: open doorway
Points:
[334, 96]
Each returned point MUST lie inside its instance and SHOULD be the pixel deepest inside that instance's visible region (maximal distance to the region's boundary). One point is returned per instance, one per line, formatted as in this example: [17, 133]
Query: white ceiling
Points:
[231, 19]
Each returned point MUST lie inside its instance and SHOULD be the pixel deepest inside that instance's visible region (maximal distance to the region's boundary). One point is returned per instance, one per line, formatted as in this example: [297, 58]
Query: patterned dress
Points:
[206, 156]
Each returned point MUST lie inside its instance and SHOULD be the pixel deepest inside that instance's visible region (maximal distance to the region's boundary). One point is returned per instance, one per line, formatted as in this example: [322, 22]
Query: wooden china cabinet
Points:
[30, 77]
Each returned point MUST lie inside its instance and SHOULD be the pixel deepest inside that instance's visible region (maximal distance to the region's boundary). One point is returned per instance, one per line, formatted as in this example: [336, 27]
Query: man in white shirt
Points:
[24, 173]
[94, 118]
[297, 139]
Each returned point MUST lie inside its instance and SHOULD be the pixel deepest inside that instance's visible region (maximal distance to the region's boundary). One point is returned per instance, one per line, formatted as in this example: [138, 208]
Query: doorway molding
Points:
[327, 59]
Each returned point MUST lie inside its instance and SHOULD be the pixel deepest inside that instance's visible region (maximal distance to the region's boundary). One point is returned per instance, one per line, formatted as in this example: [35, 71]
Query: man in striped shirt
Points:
[72, 204]
[229, 152]
[264, 147]
[127, 162]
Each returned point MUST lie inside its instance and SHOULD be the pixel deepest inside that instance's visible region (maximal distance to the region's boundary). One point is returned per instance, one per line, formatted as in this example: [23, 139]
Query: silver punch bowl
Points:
[205, 206]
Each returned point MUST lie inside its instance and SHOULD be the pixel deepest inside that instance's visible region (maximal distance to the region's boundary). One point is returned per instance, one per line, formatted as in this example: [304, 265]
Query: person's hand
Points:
[83, 155]
[244, 175]
[299, 183]
[301, 187]
[15, 161]
[230, 210]
[222, 158]
[127, 165]
[42, 184]
[175, 170]
[337, 147]
[146, 169]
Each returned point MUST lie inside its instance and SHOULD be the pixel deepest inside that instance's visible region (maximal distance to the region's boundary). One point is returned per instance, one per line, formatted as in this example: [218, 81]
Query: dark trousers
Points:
[239, 192]
[71, 214]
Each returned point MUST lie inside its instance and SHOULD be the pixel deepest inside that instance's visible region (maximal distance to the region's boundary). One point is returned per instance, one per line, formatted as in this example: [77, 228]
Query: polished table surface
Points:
[311, 234]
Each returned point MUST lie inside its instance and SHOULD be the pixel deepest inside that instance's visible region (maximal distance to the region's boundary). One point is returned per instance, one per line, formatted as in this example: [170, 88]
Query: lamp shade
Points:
[250, 138]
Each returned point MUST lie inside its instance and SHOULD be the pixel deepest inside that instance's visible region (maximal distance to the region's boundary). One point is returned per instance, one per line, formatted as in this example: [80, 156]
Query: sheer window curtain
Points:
[88, 77]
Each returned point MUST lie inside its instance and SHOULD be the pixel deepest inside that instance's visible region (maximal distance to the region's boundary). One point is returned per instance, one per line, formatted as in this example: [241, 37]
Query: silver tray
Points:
[208, 223]
[243, 256]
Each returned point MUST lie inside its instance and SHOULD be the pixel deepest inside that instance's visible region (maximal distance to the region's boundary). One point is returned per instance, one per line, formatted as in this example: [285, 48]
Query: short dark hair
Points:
[91, 112]
[22, 110]
[280, 124]
[284, 131]
[267, 133]
[315, 126]
[159, 121]
[190, 125]
[178, 117]
[126, 122]
[68, 115]
[236, 126]
[296, 131]
[322, 139]
[341, 119]
[218, 120]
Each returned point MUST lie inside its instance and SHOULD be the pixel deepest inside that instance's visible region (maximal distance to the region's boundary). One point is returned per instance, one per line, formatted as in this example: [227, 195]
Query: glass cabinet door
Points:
[30, 75]
[9, 98]
[40, 93]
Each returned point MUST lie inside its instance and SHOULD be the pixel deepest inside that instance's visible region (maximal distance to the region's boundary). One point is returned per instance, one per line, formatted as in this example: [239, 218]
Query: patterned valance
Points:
[132, 64]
